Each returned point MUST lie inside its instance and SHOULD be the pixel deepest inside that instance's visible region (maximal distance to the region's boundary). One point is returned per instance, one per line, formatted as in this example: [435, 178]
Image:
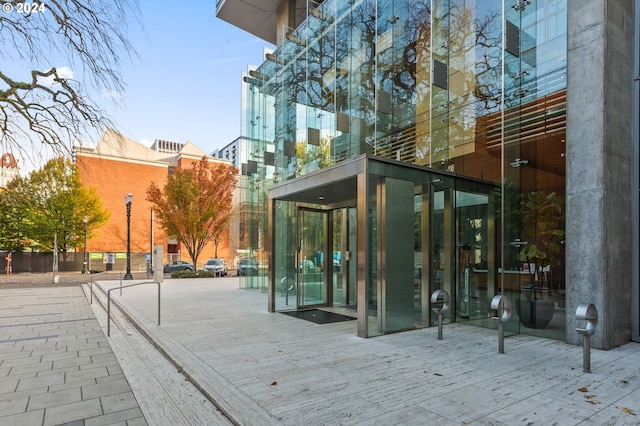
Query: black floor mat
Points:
[318, 316]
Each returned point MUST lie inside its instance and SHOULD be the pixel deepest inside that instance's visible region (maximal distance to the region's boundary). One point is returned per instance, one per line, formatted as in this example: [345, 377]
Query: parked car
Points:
[178, 265]
[306, 266]
[247, 266]
[217, 266]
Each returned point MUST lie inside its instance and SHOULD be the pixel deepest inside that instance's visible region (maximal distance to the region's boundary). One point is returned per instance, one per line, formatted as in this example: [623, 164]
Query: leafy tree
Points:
[543, 224]
[223, 221]
[50, 204]
[14, 216]
[194, 204]
[310, 159]
[44, 101]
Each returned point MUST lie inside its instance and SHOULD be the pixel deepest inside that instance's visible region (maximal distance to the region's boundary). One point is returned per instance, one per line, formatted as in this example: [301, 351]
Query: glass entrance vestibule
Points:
[378, 236]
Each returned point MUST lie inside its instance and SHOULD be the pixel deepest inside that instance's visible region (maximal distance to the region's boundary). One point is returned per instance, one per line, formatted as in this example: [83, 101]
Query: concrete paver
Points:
[298, 372]
[53, 355]
[57, 367]
[165, 396]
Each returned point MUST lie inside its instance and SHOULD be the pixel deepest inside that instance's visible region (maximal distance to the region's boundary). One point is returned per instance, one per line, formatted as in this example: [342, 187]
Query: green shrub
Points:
[190, 274]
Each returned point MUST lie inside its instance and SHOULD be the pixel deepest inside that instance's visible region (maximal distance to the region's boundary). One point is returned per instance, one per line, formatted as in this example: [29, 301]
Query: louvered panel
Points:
[542, 117]
[403, 141]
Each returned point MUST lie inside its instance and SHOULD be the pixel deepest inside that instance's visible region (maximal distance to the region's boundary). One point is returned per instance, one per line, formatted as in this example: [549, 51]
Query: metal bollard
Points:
[286, 284]
[587, 312]
[502, 306]
[440, 297]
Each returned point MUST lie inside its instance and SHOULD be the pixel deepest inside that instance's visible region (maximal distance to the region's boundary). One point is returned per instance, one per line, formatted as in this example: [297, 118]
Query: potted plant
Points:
[543, 224]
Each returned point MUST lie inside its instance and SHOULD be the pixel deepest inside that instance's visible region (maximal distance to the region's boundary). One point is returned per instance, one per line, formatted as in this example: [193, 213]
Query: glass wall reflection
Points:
[474, 88]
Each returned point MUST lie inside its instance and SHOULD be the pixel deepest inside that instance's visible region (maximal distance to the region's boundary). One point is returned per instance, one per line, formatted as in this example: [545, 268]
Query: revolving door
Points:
[380, 237]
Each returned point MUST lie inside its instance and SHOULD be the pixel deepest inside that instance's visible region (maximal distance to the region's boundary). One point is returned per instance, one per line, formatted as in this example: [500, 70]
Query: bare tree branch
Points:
[40, 105]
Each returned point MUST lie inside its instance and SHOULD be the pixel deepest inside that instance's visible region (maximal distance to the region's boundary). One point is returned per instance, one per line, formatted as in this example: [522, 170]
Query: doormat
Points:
[318, 316]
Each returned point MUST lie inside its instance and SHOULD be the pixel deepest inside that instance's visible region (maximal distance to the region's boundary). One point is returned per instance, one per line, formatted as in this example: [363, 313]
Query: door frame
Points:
[326, 272]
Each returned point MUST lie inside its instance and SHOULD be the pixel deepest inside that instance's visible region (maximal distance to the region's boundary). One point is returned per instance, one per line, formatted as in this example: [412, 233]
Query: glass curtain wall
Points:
[284, 254]
[428, 231]
[533, 145]
[259, 168]
[466, 86]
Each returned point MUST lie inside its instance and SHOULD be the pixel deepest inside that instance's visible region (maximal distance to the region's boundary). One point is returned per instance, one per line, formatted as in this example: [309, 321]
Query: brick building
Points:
[118, 165]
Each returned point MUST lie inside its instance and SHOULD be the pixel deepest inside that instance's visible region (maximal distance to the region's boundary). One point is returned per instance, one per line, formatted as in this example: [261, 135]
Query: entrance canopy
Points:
[379, 235]
[334, 185]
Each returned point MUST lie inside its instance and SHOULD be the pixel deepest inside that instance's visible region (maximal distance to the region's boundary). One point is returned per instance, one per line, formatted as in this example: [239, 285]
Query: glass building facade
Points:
[401, 146]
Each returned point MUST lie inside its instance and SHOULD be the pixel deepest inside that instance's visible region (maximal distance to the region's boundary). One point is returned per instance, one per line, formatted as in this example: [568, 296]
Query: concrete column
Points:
[286, 17]
[599, 160]
[635, 200]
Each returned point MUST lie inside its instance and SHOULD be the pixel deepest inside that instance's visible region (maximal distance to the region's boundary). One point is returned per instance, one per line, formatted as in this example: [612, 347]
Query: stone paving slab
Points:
[304, 373]
[56, 365]
[165, 395]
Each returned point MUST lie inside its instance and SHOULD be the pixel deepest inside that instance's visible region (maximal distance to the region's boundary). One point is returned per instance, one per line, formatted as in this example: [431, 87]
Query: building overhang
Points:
[337, 186]
[331, 186]
[257, 17]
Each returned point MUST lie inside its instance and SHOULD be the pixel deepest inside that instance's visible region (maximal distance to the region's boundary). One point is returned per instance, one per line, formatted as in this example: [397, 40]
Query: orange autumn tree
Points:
[194, 204]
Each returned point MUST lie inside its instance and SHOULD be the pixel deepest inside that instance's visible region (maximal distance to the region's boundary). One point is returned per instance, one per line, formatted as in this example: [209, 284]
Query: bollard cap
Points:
[587, 312]
[502, 304]
[440, 296]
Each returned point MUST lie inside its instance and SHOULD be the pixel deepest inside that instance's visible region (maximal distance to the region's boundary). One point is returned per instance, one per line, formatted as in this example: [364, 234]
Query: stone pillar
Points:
[600, 78]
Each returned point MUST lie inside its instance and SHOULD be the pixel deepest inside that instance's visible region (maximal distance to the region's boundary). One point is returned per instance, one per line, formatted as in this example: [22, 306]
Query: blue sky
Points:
[187, 83]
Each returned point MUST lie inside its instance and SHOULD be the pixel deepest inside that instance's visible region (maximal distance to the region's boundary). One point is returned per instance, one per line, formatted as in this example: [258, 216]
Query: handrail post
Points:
[125, 286]
[109, 313]
[93, 280]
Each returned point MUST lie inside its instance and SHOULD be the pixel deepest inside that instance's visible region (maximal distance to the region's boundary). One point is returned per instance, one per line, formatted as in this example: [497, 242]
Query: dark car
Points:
[178, 265]
[216, 266]
[247, 267]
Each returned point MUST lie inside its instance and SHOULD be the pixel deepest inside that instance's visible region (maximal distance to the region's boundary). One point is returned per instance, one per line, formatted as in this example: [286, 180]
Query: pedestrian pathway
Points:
[285, 370]
[56, 365]
[226, 354]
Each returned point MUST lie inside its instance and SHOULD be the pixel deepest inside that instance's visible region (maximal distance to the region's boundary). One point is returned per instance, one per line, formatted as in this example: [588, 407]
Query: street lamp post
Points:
[127, 199]
[85, 261]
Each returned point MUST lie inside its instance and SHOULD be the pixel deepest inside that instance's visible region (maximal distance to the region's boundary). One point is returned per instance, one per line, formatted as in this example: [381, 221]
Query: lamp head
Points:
[128, 198]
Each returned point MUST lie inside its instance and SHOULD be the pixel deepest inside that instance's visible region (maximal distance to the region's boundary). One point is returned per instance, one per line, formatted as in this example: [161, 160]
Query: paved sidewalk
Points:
[284, 370]
[56, 365]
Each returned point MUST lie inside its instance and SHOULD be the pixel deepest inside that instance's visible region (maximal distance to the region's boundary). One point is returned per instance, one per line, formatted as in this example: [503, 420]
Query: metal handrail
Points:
[125, 286]
[93, 280]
